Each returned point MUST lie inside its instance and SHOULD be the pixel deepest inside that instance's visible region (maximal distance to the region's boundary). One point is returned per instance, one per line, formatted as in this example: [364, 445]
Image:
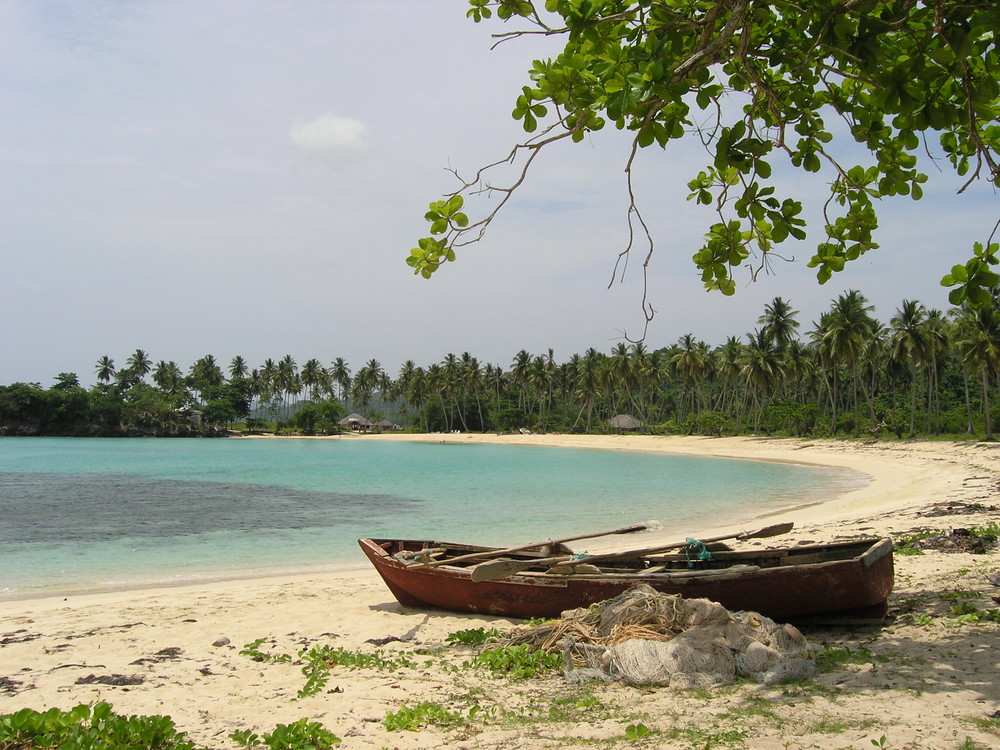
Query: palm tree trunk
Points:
[833, 403]
[743, 409]
[968, 399]
[986, 404]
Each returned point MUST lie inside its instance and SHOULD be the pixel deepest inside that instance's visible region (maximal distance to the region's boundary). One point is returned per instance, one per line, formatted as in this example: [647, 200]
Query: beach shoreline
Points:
[142, 578]
[941, 672]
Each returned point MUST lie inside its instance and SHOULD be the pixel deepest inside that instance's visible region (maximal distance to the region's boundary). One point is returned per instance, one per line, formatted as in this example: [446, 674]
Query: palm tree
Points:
[436, 384]
[518, 374]
[779, 323]
[979, 344]
[588, 383]
[910, 343]
[287, 380]
[621, 373]
[761, 370]
[451, 372]
[729, 366]
[238, 368]
[312, 378]
[493, 376]
[368, 379]
[472, 380]
[341, 375]
[691, 363]
[939, 341]
[538, 380]
[414, 387]
[139, 364]
[168, 377]
[105, 369]
[648, 374]
[849, 327]
[799, 367]
[268, 387]
[205, 373]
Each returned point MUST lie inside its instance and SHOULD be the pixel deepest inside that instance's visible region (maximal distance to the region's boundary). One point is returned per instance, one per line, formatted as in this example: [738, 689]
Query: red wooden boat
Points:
[844, 581]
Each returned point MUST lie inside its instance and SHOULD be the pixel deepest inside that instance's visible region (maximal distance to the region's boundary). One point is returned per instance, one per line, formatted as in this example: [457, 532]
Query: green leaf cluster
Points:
[446, 218]
[517, 662]
[253, 651]
[299, 735]
[974, 282]
[427, 713]
[635, 732]
[319, 660]
[473, 636]
[906, 78]
[89, 728]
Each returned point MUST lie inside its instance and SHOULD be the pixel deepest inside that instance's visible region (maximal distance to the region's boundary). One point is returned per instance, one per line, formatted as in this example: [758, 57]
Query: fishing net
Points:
[643, 637]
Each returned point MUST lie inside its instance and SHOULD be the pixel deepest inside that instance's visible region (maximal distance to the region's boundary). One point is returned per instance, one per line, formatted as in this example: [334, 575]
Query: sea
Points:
[81, 515]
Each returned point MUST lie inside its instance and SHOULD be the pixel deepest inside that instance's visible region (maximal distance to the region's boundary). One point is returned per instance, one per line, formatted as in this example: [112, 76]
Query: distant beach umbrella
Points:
[624, 422]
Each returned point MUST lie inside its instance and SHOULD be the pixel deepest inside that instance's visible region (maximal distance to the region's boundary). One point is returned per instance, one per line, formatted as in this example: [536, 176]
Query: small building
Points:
[355, 422]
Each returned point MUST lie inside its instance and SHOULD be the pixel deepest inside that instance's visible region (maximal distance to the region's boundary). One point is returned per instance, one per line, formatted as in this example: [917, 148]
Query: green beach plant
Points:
[516, 662]
[98, 727]
[319, 660]
[85, 727]
[969, 614]
[427, 713]
[253, 651]
[635, 732]
[299, 735]
[473, 636]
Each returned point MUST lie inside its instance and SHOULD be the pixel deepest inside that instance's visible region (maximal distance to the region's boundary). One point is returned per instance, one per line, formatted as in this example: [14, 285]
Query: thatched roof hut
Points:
[624, 422]
[355, 422]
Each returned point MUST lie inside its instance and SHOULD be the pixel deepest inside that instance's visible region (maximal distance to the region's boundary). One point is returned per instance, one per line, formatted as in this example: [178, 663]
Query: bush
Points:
[100, 728]
[86, 728]
[712, 423]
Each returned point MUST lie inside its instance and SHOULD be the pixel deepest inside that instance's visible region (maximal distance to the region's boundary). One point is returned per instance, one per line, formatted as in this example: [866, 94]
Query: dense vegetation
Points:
[924, 373]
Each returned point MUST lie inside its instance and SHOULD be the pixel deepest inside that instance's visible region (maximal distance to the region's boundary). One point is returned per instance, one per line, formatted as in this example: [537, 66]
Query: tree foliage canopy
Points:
[759, 83]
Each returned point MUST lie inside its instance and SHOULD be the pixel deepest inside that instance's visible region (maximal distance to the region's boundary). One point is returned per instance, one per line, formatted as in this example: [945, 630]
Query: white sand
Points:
[934, 682]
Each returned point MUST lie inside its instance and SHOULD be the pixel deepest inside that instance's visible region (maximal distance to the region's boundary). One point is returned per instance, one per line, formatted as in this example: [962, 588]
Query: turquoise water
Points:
[80, 513]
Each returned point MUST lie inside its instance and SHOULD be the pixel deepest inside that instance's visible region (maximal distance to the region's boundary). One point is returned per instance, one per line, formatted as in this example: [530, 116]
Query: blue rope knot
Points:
[698, 547]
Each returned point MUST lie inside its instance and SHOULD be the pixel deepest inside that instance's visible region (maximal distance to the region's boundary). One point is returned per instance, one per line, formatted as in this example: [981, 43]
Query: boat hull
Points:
[846, 579]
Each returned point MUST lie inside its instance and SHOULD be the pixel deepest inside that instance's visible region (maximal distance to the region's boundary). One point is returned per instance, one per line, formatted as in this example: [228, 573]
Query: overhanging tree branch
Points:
[892, 72]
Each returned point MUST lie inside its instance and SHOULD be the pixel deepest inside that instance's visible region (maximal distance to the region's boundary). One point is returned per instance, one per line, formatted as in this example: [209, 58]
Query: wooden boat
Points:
[849, 581]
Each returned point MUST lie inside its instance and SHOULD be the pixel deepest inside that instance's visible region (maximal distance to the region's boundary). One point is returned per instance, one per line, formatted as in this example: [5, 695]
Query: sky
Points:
[247, 178]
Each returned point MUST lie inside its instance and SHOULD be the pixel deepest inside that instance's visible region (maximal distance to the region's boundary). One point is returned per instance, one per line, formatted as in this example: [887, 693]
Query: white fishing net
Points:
[643, 637]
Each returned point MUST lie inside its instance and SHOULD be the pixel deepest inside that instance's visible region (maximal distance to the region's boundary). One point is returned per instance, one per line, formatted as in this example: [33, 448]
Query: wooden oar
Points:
[509, 550]
[490, 571]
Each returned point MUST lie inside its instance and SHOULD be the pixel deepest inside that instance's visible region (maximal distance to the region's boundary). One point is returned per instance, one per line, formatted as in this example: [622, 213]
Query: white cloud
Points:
[330, 135]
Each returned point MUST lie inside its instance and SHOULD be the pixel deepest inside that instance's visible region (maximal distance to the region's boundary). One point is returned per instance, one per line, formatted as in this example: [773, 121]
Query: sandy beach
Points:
[928, 678]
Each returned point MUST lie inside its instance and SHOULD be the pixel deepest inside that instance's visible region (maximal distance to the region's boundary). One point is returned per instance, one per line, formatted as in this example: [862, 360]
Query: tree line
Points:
[925, 373]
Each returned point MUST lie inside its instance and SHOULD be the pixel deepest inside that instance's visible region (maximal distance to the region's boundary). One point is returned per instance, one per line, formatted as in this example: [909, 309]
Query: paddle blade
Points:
[774, 530]
[491, 571]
